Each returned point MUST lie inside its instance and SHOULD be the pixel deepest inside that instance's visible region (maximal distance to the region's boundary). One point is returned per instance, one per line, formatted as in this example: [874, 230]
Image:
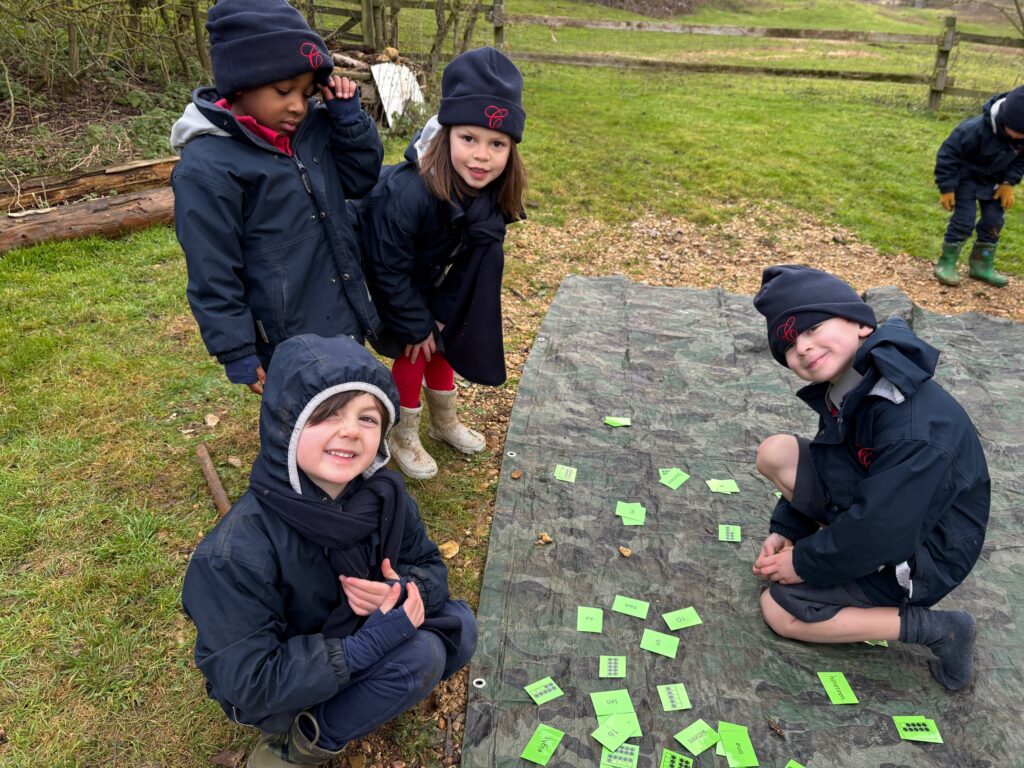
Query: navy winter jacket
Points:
[260, 593]
[904, 474]
[978, 149]
[414, 250]
[267, 237]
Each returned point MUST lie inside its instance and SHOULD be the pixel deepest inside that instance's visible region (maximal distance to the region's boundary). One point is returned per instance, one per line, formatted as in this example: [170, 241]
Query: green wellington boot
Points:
[945, 267]
[982, 261]
[292, 748]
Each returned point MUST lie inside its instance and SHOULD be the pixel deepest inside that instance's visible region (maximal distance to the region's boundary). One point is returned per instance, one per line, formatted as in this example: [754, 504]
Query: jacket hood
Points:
[899, 355]
[306, 370]
[193, 123]
[994, 120]
[421, 140]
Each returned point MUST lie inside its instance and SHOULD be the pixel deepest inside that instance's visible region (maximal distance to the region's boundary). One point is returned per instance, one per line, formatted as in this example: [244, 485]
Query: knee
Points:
[775, 453]
[780, 621]
[426, 660]
[460, 656]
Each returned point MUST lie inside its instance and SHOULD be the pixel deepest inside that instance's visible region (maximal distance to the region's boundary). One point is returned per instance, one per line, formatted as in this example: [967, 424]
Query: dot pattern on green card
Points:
[625, 756]
[673, 700]
[915, 728]
[729, 533]
[670, 759]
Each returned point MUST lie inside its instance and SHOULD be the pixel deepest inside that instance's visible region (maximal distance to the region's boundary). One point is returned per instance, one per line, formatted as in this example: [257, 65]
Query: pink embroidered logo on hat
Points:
[495, 116]
[787, 331]
[313, 53]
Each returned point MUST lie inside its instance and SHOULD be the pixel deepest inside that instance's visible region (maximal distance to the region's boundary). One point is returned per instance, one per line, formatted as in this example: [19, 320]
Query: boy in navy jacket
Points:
[259, 193]
[884, 512]
[320, 604]
[977, 167]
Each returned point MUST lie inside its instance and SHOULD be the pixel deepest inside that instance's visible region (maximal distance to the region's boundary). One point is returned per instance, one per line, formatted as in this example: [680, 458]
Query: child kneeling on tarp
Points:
[884, 512]
[321, 605]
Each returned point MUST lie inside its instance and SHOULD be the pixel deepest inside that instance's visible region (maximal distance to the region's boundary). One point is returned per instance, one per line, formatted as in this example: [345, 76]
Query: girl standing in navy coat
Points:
[431, 233]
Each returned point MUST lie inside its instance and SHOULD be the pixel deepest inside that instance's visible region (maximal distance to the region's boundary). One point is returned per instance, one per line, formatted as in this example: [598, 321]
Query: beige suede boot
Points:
[406, 449]
[444, 423]
[292, 748]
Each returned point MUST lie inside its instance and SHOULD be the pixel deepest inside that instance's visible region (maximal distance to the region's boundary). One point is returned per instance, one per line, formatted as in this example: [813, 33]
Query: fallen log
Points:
[108, 216]
[50, 190]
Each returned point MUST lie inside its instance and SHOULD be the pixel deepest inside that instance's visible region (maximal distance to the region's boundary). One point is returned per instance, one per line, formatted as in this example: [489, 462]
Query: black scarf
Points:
[344, 527]
[472, 338]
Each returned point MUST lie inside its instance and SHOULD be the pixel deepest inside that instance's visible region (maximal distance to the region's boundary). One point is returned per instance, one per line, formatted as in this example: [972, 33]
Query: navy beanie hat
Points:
[794, 298]
[482, 87]
[1011, 111]
[256, 42]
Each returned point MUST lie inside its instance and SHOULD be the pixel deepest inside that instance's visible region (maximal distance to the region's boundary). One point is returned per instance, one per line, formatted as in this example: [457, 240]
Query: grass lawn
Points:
[105, 389]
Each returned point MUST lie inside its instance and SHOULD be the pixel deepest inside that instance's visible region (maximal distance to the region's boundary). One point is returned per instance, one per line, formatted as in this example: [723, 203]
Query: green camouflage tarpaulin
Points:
[692, 371]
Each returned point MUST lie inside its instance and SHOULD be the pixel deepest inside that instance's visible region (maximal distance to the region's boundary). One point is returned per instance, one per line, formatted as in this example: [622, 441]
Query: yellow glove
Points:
[947, 200]
[1004, 194]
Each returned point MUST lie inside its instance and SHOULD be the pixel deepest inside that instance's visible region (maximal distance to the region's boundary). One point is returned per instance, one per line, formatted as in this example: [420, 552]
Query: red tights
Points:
[410, 376]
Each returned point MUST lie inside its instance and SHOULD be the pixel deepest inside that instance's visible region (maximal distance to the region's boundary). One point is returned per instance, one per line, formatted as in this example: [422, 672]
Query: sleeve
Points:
[208, 220]
[789, 522]
[240, 649]
[357, 153]
[894, 507]
[950, 159]
[1015, 171]
[421, 562]
[390, 263]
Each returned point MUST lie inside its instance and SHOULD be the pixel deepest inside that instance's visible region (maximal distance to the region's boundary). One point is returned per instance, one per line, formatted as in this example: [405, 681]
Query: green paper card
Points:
[589, 619]
[633, 520]
[673, 477]
[778, 495]
[673, 697]
[543, 690]
[794, 764]
[918, 728]
[612, 666]
[735, 743]
[630, 509]
[838, 690]
[684, 617]
[614, 702]
[630, 717]
[697, 737]
[613, 732]
[729, 533]
[618, 421]
[659, 642]
[542, 744]
[567, 474]
[723, 486]
[630, 606]
[882, 643]
[670, 759]
[626, 756]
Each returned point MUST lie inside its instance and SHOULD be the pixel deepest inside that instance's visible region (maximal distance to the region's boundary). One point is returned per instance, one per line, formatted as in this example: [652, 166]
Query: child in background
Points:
[259, 193]
[884, 512]
[321, 607]
[979, 165]
[432, 232]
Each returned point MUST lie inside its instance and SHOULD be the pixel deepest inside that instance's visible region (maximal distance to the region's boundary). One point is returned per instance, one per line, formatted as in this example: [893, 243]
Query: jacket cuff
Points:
[336, 655]
[236, 354]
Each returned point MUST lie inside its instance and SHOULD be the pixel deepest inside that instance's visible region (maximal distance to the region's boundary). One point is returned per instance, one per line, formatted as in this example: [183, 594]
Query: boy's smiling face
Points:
[825, 351]
[279, 106]
[342, 446]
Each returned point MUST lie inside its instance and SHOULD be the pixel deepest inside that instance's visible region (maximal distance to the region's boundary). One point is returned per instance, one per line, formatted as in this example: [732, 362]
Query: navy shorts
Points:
[808, 493]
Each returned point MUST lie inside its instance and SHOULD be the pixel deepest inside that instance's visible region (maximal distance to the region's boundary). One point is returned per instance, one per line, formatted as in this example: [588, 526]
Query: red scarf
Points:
[274, 138]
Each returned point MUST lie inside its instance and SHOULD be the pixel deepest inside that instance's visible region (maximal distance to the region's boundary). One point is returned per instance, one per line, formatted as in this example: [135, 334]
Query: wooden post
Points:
[940, 77]
[498, 19]
[378, 24]
[367, 14]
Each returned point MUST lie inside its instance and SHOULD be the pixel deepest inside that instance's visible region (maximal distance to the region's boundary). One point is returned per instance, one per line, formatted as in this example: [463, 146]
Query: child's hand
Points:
[366, 596]
[339, 88]
[775, 543]
[427, 347]
[948, 200]
[413, 604]
[261, 379]
[778, 567]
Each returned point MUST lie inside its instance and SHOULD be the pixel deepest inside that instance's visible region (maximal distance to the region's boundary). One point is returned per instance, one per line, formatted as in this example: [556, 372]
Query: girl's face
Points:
[479, 155]
[280, 106]
[342, 446]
